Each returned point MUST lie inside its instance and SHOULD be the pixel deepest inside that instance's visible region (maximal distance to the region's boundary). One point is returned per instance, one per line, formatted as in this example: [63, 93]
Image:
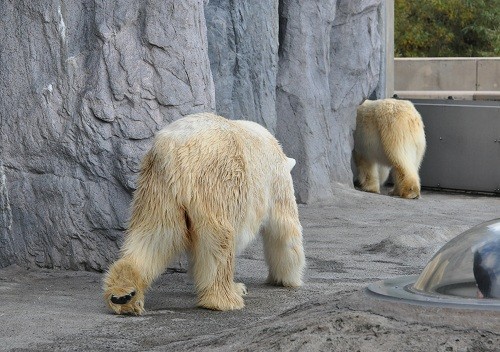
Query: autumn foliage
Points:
[447, 28]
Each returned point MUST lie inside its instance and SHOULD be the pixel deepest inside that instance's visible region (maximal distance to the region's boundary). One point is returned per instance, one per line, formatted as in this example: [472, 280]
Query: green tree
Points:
[447, 28]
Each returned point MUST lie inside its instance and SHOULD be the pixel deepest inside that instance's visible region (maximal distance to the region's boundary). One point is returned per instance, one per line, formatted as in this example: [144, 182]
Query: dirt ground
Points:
[356, 240]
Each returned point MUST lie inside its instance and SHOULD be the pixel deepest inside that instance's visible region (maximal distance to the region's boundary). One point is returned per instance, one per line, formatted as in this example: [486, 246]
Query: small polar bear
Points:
[207, 187]
[389, 134]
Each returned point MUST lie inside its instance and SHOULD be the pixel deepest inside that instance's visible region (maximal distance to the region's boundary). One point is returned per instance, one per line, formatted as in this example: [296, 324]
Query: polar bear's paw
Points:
[292, 282]
[125, 300]
[124, 288]
[240, 288]
[223, 301]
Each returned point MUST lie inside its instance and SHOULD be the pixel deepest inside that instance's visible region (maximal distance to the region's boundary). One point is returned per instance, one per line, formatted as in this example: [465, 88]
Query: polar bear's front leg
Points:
[145, 256]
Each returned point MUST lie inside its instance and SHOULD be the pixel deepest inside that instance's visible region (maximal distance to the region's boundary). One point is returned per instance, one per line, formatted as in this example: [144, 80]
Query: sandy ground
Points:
[356, 240]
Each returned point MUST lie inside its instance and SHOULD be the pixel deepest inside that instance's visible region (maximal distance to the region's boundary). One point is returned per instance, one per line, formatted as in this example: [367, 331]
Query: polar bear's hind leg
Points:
[213, 269]
[282, 236]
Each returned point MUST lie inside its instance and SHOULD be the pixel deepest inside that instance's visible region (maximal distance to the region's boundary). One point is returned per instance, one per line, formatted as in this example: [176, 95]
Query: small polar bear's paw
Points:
[125, 301]
[408, 192]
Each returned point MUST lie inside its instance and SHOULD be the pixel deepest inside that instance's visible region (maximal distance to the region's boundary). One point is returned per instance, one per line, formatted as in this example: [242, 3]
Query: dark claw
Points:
[122, 299]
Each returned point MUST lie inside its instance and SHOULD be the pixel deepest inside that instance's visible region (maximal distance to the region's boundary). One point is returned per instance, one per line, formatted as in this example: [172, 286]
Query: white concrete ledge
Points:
[445, 74]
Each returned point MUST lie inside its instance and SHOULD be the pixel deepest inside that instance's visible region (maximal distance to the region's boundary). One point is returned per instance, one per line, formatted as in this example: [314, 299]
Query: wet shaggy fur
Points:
[389, 134]
[207, 187]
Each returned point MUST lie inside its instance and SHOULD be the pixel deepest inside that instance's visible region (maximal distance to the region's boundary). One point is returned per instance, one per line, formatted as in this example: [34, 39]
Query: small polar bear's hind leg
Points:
[405, 155]
[282, 236]
[406, 179]
[368, 174]
[383, 173]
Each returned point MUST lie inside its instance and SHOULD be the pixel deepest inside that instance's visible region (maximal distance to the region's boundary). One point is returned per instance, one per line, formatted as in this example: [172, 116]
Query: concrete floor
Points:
[356, 240]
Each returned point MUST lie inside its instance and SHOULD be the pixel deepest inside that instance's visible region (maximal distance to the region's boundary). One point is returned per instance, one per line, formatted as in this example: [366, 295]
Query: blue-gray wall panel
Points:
[463, 145]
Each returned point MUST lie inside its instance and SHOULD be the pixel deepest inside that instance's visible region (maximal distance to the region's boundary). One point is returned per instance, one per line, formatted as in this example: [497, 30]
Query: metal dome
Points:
[465, 272]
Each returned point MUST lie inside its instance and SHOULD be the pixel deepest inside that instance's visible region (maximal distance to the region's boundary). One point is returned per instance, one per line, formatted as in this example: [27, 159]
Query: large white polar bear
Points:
[389, 134]
[207, 187]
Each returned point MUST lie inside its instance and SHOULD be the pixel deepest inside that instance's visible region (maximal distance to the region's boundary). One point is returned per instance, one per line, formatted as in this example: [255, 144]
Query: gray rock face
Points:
[329, 63]
[84, 87]
[86, 84]
[243, 51]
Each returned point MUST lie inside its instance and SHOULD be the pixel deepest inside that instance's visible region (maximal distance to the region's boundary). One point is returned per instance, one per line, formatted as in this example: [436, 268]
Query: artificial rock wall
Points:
[84, 85]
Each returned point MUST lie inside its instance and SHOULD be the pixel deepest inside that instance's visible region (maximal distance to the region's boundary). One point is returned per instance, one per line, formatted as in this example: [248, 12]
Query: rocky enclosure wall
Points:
[85, 85]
